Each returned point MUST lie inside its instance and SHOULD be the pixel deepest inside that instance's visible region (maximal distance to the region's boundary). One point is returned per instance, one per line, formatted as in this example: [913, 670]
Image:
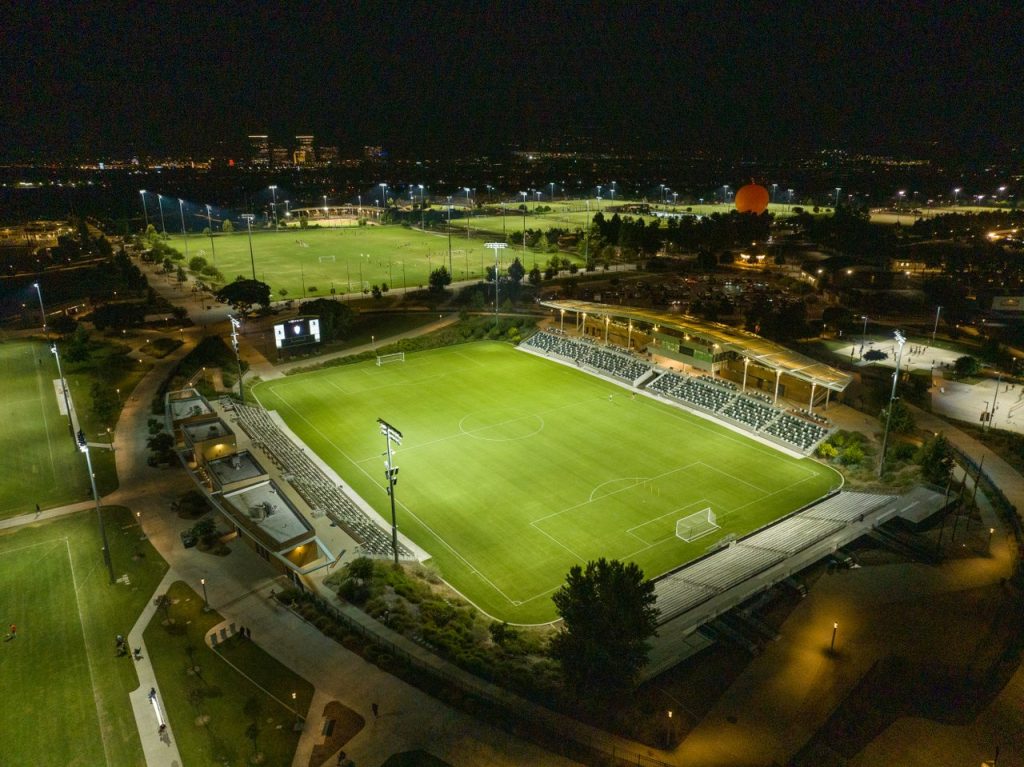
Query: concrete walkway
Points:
[162, 749]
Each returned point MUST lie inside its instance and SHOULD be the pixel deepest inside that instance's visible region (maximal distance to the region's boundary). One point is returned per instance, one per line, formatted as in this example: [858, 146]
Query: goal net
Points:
[696, 525]
[326, 259]
[384, 359]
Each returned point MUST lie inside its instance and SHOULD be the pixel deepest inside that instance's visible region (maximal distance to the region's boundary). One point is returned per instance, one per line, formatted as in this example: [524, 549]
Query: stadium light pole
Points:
[863, 335]
[42, 309]
[838, 190]
[552, 185]
[160, 204]
[956, 195]
[83, 446]
[325, 208]
[450, 238]
[209, 227]
[935, 327]
[421, 206]
[497, 247]
[145, 213]
[524, 231]
[273, 192]
[469, 210]
[235, 325]
[383, 196]
[391, 435]
[900, 340]
[248, 226]
[181, 211]
[613, 193]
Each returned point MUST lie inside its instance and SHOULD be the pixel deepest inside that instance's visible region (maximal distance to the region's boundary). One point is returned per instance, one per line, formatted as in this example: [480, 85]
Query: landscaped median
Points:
[228, 706]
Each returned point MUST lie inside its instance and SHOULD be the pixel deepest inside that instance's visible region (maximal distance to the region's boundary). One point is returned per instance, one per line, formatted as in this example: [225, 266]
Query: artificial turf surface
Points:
[41, 463]
[513, 468]
[65, 689]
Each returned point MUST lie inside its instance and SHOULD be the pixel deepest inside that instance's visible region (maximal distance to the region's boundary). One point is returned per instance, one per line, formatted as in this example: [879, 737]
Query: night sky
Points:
[426, 78]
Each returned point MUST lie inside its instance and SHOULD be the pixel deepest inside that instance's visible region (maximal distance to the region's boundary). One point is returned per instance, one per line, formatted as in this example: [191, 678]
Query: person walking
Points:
[375, 709]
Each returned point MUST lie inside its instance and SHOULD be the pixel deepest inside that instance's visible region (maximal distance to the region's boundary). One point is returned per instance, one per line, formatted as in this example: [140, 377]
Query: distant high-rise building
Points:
[328, 155]
[304, 153]
[259, 150]
[280, 157]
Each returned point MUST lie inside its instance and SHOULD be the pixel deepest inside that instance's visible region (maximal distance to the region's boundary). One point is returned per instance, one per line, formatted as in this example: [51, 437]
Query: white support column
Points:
[810, 405]
[828, 393]
[778, 375]
[746, 364]
[607, 322]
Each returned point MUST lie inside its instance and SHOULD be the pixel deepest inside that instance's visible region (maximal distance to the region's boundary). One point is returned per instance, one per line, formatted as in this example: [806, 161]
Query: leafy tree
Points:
[63, 325]
[902, 419]
[196, 263]
[336, 317]
[936, 460]
[966, 366]
[243, 294]
[609, 614]
[875, 355]
[158, 443]
[439, 279]
[78, 348]
[516, 272]
[104, 402]
[181, 276]
[227, 227]
[535, 276]
[838, 317]
[118, 316]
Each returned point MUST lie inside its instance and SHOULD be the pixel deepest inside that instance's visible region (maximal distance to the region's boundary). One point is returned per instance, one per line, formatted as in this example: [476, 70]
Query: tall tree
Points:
[439, 279]
[336, 317]
[936, 460]
[244, 294]
[608, 615]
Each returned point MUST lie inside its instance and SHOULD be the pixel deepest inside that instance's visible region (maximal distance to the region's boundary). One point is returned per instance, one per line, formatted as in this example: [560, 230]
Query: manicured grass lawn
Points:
[514, 468]
[212, 712]
[65, 689]
[41, 463]
[295, 258]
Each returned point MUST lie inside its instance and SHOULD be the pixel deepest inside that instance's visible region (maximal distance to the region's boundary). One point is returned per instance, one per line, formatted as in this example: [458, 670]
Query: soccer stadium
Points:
[611, 432]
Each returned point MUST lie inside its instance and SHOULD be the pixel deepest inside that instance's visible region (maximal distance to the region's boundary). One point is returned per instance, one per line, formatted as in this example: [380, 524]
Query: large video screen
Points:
[299, 331]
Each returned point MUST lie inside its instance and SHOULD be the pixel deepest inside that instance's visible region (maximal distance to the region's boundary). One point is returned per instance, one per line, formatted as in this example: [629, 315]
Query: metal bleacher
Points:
[315, 487]
[694, 585]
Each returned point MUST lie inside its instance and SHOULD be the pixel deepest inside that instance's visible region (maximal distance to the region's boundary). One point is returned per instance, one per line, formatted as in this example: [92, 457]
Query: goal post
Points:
[696, 525]
[327, 259]
[384, 359]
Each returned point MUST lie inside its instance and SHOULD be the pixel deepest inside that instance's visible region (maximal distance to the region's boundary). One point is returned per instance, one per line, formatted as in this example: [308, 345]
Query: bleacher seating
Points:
[587, 353]
[751, 412]
[796, 431]
[316, 489]
[705, 393]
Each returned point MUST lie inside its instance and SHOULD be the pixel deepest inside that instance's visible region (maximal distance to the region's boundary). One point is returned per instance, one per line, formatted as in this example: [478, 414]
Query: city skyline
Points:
[658, 76]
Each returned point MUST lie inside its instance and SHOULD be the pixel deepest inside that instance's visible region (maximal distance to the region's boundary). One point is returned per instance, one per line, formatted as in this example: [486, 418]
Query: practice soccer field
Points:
[65, 690]
[342, 258]
[40, 462]
[514, 468]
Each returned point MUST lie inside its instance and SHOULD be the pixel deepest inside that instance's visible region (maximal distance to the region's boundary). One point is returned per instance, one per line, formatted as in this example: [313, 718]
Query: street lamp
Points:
[838, 190]
[184, 233]
[145, 213]
[835, 628]
[273, 191]
[248, 225]
[206, 601]
[552, 185]
[235, 325]
[956, 194]
[774, 189]
[863, 335]
[900, 341]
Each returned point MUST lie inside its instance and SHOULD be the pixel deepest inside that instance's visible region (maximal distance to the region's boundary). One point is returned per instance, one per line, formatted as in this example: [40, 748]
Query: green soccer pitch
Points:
[340, 257]
[41, 463]
[514, 468]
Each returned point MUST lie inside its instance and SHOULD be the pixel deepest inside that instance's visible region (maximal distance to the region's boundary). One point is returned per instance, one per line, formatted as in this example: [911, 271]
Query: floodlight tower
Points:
[42, 309]
[552, 185]
[450, 239]
[383, 195]
[273, 192]
[145, 213]
[497, 247]
[613, 193]
[236, 324]
[83, 446]
[900, 341]
[181, 210]
[391, 435]
[160, 204]
[469, 210]
[63, 388]
[838, 190]
[209, 228]
[421, 206]
[248, 226]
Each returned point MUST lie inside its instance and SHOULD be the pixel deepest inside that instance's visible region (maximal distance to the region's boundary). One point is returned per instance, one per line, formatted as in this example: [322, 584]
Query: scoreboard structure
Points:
[297, 332]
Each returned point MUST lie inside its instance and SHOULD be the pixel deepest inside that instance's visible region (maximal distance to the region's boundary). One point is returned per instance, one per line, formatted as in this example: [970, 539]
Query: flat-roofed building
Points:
[208, 440]
[235, 472]
[278, 531]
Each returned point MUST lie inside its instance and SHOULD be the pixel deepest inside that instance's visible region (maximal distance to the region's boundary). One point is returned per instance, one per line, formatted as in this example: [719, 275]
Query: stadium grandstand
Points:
[752, 363]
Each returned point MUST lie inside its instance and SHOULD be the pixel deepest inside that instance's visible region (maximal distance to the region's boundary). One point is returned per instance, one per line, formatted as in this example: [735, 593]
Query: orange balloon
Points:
[752, 198]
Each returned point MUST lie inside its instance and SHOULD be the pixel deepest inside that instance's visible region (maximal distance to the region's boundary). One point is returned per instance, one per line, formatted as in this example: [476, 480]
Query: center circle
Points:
[500, 424]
